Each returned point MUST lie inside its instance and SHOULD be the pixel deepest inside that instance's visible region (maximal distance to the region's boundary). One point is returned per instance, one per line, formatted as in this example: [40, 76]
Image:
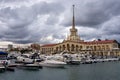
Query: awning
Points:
[3, 53]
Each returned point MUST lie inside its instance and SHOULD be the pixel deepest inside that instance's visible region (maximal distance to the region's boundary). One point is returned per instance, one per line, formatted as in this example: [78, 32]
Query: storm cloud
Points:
[48, 21]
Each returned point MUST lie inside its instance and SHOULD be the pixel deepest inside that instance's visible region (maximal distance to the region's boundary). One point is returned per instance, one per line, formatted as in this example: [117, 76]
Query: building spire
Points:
[73, 21]
[73, 31]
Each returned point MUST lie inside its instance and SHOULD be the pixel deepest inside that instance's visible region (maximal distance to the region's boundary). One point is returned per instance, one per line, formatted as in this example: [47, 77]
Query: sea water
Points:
[95, 71]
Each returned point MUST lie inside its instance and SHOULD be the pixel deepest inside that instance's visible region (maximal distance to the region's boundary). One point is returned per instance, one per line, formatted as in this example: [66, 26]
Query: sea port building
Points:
[74, 44]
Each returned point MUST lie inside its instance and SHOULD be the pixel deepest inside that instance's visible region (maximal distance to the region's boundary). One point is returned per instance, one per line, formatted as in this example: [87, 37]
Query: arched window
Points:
[107, 47]
[56, 49]
[68, 47]
[94, 47]
[72, 47]
[80, 47]
[76, 47]
[60, 48]
[103, 47]
[63, 47]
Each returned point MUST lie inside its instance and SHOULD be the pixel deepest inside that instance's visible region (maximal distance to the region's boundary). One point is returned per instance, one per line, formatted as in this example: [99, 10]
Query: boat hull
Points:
[30, 66]
[52, 65]
[2, 68]
[73, 62]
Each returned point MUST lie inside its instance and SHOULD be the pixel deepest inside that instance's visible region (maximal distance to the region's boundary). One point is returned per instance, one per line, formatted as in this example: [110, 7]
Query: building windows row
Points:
[103, 47]
[69, 47]
[75, 47]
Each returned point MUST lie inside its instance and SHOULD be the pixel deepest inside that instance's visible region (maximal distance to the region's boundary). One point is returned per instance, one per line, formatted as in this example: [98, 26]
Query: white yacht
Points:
[2, 68]
[73, 59]
[24, 58]
[30, 66]
[50, 61]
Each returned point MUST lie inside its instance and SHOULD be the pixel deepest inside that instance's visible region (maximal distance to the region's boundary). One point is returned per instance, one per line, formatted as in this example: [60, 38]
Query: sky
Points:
[49, 21]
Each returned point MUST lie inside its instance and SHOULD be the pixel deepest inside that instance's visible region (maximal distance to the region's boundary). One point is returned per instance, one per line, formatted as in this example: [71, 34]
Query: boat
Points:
[73, 62]
[72, 59]
[30, 66]
[2, 68]
[10, 69]
[3, 61]
[87, 61]
[3, 58]
[28, 58]
[36, 58]
[51, 62]
[24, 58]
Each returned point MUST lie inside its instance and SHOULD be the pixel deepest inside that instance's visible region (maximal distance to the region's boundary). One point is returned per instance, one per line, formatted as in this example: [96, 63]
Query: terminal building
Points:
[74, 44]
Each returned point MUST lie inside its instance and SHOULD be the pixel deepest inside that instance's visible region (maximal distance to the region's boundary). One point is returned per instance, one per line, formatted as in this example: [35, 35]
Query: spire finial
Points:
[73, 25]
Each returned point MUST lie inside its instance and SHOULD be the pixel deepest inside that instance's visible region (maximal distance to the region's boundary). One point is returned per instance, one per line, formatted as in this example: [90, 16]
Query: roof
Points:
[90, 42]
[100, 42]
[49, 45]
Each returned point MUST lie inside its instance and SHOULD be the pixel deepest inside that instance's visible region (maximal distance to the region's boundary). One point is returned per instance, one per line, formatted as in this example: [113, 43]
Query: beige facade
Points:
[73, 44]
[103, 47]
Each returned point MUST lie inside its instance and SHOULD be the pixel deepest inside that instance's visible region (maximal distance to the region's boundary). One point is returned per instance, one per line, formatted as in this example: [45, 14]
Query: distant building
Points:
[35, 46]
[20, 45]
[10, 46]
[74, 44]
[4, 45]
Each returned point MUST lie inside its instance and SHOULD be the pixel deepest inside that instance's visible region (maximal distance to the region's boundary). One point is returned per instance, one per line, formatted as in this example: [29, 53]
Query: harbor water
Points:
[95, 71]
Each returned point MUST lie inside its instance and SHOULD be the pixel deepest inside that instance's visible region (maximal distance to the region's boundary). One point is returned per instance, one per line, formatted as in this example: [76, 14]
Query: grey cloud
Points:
[111, 28]
[45, 8]
[18, 21]
[22, 24]
[9, 1]
[87, 33]
[52, 19]
[94, 12]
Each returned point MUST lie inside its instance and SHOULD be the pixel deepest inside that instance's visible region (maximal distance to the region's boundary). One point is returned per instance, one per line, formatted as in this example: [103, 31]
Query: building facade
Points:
[74, 44]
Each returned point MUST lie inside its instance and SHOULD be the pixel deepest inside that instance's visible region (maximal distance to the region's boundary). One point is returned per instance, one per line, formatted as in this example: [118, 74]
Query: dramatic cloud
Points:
[29, 23]
[94, 12]
[48, 21]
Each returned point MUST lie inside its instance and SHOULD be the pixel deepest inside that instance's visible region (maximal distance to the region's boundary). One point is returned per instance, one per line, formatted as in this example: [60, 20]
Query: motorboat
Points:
[36, 58]
[72, 59]
[30, 66]
[28, 58]
[25, 62]
[51, 62]
[24, 58]
[3, 61]
[2, 68]
[73, 62]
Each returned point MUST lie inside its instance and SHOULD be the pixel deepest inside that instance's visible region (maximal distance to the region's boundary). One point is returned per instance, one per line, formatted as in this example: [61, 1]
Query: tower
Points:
[73, 31]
